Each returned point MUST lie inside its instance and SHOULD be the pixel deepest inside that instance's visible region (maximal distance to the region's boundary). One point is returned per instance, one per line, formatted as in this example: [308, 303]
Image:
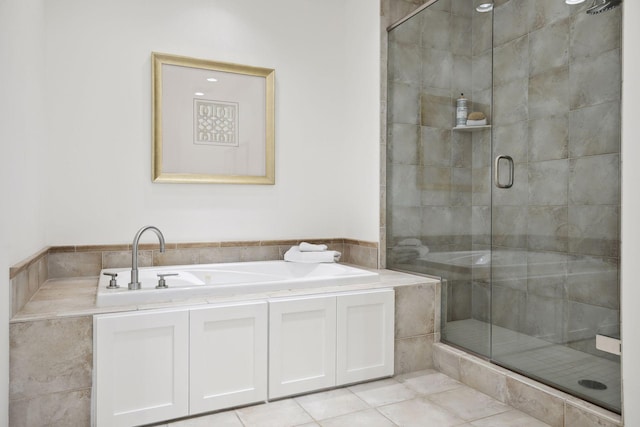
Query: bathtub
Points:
[210, 280]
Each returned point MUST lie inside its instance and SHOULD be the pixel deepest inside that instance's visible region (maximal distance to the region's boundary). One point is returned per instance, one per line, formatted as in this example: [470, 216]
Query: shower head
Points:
[600, 6]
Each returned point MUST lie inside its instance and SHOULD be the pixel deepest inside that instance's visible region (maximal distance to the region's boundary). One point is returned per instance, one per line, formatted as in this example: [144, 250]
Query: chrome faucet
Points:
[135, 284]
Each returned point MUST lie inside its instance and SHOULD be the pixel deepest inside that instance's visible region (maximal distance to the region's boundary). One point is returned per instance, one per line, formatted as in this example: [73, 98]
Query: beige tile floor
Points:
[425, 398]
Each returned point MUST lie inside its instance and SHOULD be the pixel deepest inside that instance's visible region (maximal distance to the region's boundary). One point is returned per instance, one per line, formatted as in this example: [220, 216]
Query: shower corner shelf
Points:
[471, 128]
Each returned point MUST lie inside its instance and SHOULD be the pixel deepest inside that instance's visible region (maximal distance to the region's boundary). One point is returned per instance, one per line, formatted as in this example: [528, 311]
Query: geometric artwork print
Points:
[215, 122]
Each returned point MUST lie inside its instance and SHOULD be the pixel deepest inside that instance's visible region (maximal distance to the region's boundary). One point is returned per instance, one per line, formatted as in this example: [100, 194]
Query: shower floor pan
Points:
[542, 360]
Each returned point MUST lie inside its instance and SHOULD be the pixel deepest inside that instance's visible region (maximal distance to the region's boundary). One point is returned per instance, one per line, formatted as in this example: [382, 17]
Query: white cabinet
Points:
[228, 356]
[141, 367]
[302, 343]
[157, 365]
[365, 336]
[327, 340]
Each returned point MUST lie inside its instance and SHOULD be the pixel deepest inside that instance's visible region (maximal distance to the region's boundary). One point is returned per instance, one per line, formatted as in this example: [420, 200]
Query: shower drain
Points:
[593, 385]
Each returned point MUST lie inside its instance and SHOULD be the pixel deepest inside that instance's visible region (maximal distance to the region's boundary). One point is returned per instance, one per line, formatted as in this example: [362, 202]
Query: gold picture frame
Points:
[213, 122]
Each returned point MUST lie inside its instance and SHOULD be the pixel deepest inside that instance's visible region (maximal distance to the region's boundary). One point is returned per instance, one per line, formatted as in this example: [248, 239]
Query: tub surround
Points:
[60, 312]
[57, 262]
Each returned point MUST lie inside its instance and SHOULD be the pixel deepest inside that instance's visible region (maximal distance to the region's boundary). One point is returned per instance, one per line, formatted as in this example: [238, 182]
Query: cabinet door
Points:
[141, 367]
[228, 356]
[302, 340]
[365, 337]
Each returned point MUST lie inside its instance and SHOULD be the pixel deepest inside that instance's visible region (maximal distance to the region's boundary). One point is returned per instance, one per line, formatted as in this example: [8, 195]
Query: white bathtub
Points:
[203, 280]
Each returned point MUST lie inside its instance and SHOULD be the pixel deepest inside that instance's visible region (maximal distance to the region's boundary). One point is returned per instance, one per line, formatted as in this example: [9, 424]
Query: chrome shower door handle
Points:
[496, 170]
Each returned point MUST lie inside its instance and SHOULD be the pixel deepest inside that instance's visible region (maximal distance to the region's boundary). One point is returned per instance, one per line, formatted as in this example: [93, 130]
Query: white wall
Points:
[98, 181]
[22, 140]
[362, 73]
[630, 293]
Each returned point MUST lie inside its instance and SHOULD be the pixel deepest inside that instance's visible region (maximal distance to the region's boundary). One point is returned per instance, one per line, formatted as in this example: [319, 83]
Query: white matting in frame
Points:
[213, 122]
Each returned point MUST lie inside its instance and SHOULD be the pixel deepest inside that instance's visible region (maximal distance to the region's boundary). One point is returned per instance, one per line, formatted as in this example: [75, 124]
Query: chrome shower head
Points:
[599, 6]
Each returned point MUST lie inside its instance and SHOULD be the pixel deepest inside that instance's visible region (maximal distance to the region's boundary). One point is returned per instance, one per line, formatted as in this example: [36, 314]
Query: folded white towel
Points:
[482, 122]
[310, 247]
[295, 255]
[410, 242]
[406, 254]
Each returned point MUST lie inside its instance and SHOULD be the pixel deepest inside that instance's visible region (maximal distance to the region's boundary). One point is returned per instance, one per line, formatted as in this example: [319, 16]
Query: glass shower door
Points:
[520, 218]
[438, 177]
[555, 202]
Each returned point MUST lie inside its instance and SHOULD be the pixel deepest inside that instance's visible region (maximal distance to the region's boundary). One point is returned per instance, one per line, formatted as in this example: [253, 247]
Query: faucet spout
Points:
[135, 284]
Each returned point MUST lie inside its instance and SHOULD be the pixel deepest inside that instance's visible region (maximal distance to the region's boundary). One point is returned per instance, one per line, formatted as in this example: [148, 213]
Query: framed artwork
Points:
[213, 122]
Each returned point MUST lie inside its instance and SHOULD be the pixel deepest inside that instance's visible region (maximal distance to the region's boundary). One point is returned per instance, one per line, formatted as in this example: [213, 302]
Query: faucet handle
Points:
[162, 283]
[113, 284]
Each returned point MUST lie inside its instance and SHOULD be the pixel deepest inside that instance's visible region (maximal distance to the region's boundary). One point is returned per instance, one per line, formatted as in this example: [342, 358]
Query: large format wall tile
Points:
[547, 228]
[547, 274]
[593, 281]
[74, 264]
[510, 103]
[461, 35]
[436, 146]
[549, 48]
[481, 31]
[595, 130]
[63, 409]
[549, 93]
[436, 109]
[548, 138]
[511, 140]
[594, 230]
[436, 185]
[510, 226]
[436, 68]
[511, 61]
[436, 34]
[404, 222]
[413, 354]
[415, 310]
[548, 182]
[404, 103]
[545, 318]
[593, 35]
[595, 80]
[546, 13]
[403, 66]
[50, 356]
[595, 180]
[508, 307]
[403, 189]
[585, 320]
[512, 18]
[404, 149]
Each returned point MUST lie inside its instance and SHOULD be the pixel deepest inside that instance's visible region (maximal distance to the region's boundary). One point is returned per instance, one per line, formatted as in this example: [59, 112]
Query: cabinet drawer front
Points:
[302, 345]
[228, 356]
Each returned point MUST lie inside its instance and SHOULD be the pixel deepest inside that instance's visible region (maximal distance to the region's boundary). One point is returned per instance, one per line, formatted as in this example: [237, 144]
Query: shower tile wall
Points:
[554, 77]
[429, 169]
[557, 113]
[434, 191]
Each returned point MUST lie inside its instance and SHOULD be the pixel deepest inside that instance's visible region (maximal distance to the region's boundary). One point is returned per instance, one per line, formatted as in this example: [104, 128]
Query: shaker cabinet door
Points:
[228, 356]
[302, 345]
[365, 336]
[141, 367]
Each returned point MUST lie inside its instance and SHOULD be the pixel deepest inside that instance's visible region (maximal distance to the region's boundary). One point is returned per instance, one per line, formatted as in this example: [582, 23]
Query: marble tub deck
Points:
[424, 398]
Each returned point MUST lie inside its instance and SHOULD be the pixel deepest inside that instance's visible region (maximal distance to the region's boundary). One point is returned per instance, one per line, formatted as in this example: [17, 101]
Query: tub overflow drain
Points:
[593, 385]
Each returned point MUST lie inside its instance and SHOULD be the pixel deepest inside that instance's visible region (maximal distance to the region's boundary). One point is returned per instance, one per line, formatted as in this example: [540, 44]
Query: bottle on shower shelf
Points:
[461, 110]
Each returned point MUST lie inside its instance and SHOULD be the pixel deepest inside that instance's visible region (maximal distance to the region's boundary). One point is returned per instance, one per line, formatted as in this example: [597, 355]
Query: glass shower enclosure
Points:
[519, 217]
